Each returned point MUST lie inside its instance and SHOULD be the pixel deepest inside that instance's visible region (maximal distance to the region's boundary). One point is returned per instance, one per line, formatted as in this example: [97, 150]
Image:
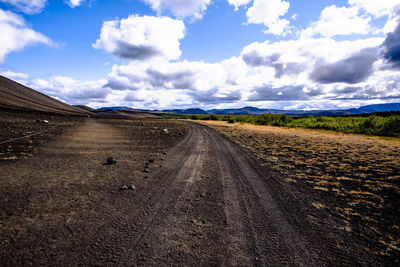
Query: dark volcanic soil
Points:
[199, 200]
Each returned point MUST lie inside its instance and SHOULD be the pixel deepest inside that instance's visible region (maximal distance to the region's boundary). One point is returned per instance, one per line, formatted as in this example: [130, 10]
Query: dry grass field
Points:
[355, 178]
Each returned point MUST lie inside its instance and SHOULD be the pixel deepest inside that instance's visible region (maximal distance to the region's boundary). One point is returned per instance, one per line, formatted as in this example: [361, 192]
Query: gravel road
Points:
[206, 202]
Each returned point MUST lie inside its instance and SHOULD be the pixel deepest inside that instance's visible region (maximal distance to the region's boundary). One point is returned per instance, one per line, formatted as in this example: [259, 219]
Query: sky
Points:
[163, 54]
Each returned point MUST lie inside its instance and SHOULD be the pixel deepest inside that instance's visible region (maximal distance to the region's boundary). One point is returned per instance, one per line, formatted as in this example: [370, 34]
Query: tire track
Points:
[170, 192]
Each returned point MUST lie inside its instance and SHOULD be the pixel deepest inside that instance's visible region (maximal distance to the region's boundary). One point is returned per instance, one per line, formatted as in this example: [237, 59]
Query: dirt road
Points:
[206, 202]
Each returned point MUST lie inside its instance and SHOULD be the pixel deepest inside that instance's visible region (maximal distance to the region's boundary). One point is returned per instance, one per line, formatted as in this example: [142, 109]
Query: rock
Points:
[180, 133]
[161, 158]
[145, 177]
[164, 153]
[111, 161]
[124, 187]
[165, 131]
[42, 121]
[131, 187]
[146, 170]
[151, 160]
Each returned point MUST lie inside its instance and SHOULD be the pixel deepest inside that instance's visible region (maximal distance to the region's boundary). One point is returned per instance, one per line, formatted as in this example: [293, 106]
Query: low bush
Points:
[372, 124]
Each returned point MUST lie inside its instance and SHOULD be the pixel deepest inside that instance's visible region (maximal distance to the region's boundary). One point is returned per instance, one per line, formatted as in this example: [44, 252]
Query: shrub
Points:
[391, 127]
[213, 117]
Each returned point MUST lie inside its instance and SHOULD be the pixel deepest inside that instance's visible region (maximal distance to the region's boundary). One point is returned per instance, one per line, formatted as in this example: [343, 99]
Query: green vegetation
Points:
[373, 124]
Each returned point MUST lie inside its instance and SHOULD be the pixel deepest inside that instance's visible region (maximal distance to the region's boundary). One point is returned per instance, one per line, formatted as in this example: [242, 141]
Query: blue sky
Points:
[204, 53]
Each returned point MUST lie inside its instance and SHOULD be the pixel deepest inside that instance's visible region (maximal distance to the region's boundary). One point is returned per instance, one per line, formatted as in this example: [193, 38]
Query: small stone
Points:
[145, 177]
[165, 131]
[146, 170]
[111, 161]
[151, 160]
[161, 158]
[164, 153]
[131, 187]
[124, 187]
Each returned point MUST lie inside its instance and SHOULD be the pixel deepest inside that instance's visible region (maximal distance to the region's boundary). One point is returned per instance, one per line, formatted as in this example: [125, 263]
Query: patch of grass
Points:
[373, 125]
[318, 205]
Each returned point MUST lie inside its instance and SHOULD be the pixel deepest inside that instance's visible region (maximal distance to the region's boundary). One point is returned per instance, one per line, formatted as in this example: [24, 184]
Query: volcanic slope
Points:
[17, 96]
[204, 202]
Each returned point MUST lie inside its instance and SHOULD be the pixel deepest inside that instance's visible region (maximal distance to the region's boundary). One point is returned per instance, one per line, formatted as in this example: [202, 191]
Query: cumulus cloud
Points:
[354, 69]
[285, 93]
[391, 47]
[16, 34]
[27, 6]
[268, 12]
[214, 96]
[281, 68]
[339, 21]
[180, 8]
[238, 3]
[298, 57]
[179, 83]
[142, 38]
[75, 3]
[376, 8]
[367, 93]
[267, 72]
[15, 75]
[154, 75]
[36, 6]
[71, 90]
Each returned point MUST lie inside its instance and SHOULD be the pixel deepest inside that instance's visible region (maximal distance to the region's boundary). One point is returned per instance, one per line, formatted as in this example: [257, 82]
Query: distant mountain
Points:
[116, 108]
[257, 111]
[186, 111]
[243, 111]
[381, 107]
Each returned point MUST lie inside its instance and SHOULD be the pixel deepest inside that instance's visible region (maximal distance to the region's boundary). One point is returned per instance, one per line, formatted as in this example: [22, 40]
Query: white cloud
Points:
[27, 6]
[378, 8]
[180, 8]
[339, 21]
[142, 38]
[74, 3]
[36, 6]
[16, 34]
[15, 75]
[238, 3]
[161, 74]
[268, 12]
[21, 78]
[265, 73]
[71, 90]
[278, 27]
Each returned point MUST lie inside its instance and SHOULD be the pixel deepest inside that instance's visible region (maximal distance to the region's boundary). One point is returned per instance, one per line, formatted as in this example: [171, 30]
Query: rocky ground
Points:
[180, 193]
[17, 124]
